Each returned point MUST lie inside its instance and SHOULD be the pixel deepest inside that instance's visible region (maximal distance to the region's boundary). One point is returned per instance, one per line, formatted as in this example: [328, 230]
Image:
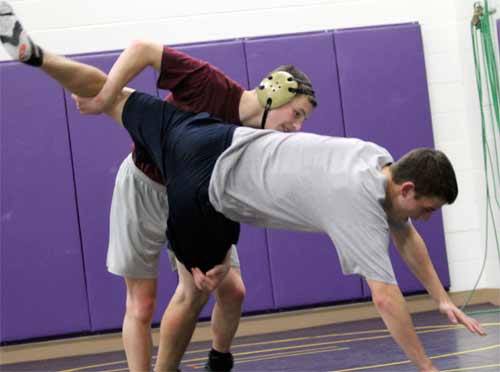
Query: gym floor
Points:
[362, 345]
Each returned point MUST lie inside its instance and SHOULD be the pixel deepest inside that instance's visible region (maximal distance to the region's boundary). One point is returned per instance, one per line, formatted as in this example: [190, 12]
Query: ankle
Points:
[220, 362]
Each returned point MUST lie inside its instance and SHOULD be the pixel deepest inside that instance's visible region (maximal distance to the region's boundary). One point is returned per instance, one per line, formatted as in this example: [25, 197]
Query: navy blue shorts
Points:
[185, 147]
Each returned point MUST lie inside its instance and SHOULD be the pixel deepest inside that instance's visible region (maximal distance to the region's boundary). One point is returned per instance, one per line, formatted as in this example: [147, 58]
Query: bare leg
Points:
[225, 320]
[179, 321]
[227, 310]
[136, 332]
[80, 79]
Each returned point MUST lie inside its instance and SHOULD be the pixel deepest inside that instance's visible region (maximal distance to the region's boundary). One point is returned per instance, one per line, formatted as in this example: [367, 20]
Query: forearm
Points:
[417, 258]
[392, 307]
[414, 252]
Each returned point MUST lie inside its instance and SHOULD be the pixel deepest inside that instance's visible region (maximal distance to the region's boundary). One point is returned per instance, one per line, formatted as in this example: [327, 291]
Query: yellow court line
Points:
[93, 366]
[475, 368]
[294, 347]
[255, 352]
[315, 344]
[428, 329]
[293, 354]
[329, 348]
[407, 361]
[471, 368]
[260, 343]
[270, 342]
[279, 355]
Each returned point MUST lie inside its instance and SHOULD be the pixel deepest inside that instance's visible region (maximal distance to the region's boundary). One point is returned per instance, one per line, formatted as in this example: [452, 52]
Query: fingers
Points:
[452, 317]
[211, 280]
[456, 316]
[199, 279]
[471, 324]
[477, 329]
[75, 98]
[480, 329]
[216, 271]
[81, 103]
[88, 105]
[203, 282]
[474, 326]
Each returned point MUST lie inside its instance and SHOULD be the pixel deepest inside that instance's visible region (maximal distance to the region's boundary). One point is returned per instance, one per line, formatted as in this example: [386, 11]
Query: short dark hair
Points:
[305, 83]
[431, 172]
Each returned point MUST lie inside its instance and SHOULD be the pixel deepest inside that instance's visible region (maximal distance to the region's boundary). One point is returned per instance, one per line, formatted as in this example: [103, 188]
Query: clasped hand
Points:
[92, 105]
[211, 280]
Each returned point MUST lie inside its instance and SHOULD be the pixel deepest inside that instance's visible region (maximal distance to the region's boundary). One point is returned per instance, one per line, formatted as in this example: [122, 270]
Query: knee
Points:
[141, 308]
[386, 297]
[232, 291]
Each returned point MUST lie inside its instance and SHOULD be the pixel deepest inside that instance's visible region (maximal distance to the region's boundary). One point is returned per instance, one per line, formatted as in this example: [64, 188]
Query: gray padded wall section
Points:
[41, 272]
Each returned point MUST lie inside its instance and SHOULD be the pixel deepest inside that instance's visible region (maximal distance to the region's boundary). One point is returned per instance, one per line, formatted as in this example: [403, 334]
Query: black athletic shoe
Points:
[219, 362]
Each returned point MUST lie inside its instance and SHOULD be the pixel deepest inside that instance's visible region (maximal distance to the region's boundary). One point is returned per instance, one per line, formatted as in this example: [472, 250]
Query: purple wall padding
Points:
[385, 100]
[228, 56]
[99, 146]
[313, 54]
[305, 268]
[41, 274]
[252, 247]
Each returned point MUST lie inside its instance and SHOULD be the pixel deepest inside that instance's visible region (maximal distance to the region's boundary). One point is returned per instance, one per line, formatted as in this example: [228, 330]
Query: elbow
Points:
[138, 47]
[148, 52]
[144, 50]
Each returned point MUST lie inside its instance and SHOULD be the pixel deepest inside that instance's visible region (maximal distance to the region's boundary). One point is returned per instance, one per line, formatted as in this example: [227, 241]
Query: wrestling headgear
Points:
[279, 88]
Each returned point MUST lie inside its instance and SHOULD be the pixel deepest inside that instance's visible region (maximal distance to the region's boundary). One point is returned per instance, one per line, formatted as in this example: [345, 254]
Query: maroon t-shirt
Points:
[195, 86]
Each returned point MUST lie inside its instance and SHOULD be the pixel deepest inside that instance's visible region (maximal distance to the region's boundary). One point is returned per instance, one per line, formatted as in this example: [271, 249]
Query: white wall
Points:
[70, 26]
[465, 222]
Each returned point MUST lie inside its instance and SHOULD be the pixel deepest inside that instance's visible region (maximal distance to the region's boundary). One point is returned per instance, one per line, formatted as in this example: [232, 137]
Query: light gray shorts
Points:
[138, 223]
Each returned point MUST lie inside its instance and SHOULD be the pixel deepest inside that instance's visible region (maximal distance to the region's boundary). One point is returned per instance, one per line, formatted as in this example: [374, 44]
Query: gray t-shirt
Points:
[307, 182]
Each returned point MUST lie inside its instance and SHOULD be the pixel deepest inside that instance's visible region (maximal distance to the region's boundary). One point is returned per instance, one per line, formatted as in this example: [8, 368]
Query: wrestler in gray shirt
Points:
[311, 183]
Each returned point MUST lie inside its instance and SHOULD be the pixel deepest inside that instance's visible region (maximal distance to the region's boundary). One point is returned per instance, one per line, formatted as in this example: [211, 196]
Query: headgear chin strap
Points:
[277, 89]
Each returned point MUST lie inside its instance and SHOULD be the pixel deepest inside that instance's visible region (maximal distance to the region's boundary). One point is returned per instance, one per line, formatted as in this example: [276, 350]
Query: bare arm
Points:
[132, 61]
[392, 307]
[414, 252]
